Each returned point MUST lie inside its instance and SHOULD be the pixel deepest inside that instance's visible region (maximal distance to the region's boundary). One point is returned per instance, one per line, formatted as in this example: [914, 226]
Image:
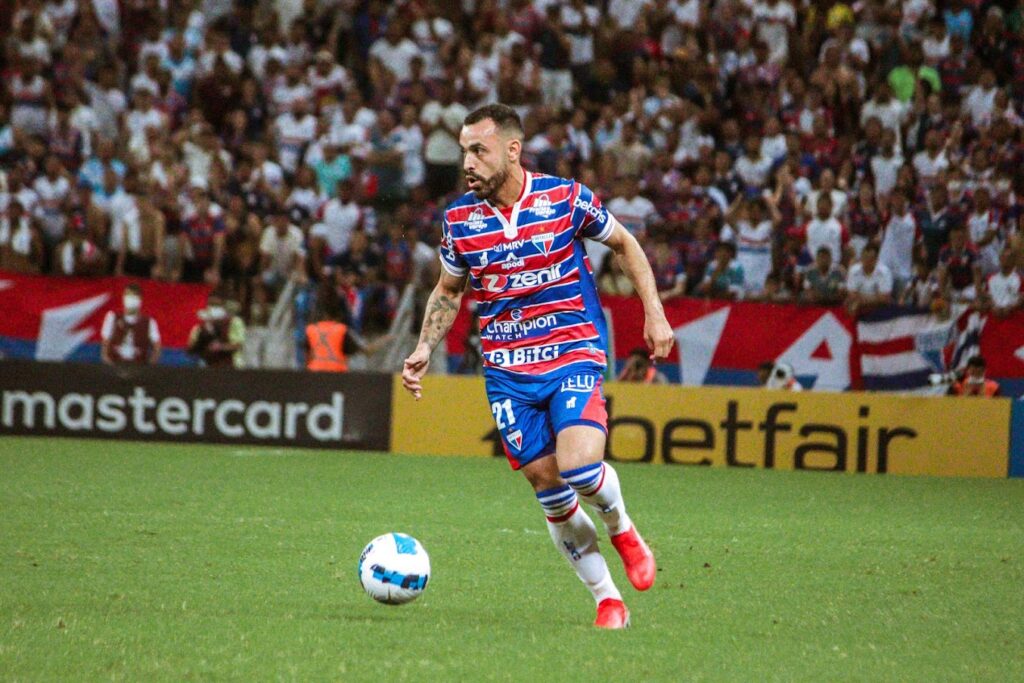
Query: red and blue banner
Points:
[59, 318]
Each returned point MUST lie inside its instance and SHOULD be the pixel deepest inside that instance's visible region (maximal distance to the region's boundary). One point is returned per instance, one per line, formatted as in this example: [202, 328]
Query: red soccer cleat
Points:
[612, 614]
[637, 557]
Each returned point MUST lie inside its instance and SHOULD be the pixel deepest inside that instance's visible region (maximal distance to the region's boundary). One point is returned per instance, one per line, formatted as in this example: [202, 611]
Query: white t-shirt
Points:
[292, 135]
[753, 251]
[773, 24]
[839, 201]
[928, 167]
[337, 224]
[1005, 290]
[285, 96]
[442, 147]
[878, 282]
[635, 214]
[429, 45]
[581, 41]
[413, 170]
[979, 104]
[753, 172]
[395, 58]
[885, 172]
[897, 251]
[826, 233]
[281, 250]
[891, 114]
[977, 225]
[625, 12]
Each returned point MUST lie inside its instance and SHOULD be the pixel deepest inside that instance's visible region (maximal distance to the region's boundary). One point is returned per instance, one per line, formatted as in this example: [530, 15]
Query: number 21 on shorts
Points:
[499, 407]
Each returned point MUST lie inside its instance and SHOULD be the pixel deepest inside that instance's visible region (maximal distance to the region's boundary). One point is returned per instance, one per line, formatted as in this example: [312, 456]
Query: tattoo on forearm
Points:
[440, 314]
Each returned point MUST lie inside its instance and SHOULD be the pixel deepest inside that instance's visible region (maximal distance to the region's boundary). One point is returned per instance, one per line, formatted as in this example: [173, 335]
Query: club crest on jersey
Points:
[516, 439]
[543, 242]
[476, 220]
[542, 207]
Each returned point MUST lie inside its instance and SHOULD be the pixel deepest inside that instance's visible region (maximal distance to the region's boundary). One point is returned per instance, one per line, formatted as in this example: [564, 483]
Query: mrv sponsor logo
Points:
[533, 278]
[142, 413]
[505, 358]
[517, 328]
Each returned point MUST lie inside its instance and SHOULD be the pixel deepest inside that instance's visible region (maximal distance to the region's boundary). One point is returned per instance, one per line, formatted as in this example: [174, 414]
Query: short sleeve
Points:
[885, 287]
[590, 216]
[451, 259]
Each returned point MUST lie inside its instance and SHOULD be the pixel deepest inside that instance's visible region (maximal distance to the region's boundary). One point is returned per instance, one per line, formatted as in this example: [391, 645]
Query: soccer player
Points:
[517, 237]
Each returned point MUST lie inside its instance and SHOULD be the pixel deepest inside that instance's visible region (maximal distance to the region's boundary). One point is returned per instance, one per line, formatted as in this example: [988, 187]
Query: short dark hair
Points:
[976, 362]
[504, 117]
[870, 246]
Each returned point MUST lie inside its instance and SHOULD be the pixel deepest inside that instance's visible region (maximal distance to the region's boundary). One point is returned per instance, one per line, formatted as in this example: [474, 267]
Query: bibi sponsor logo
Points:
[499, 282]
[593, 211]
[542, 207]
[582, 384]
[506, 358]
[476, 220]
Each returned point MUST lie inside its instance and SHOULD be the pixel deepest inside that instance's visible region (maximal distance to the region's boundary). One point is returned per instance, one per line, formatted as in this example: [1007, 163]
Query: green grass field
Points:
[178, 562]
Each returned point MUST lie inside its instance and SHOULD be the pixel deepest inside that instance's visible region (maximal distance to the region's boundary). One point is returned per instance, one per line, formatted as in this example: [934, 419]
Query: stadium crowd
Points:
[812, 151]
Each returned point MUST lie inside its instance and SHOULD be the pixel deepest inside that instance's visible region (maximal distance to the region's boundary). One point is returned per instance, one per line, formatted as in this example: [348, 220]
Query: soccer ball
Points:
[394, 569]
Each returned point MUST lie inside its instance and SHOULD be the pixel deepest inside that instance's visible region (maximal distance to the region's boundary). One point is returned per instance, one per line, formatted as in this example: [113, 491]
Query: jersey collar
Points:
[510, 226]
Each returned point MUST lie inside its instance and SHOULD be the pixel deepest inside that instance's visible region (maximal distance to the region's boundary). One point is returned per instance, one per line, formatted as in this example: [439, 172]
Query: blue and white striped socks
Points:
[575, 536]
[598, 485]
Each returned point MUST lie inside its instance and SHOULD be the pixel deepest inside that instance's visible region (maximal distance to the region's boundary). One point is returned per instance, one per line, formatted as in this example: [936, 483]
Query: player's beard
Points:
[489, 186]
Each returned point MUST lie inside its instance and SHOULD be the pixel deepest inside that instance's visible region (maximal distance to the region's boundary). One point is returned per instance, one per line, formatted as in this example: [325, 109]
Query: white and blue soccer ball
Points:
[394, 569]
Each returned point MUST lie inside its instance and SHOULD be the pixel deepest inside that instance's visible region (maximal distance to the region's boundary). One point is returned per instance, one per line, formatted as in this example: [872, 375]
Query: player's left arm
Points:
[657, 331]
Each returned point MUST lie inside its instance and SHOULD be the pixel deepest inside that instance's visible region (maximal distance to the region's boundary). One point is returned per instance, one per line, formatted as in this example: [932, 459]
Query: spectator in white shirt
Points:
[980, 103]
[869, 283]
[633, 210]
[1003, 290]
[339, 218]
[984, 227]
[889, 110]
[931, 161]
[885, 166]
[901, 240]
[394, 50]
[442, 122]
[282, 256]
[753, 167]
[825, 230]
[827, 186]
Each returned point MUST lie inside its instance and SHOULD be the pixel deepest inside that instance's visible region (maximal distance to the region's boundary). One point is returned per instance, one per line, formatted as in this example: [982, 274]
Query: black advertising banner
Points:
[266, 407]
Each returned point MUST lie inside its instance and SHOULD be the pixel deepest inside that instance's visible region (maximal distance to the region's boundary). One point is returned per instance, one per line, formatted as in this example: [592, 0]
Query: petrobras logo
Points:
[507, 358]
[542, 207]
[512, 263]
[591, 210]
[580, 384]
[509, 246]
[517, 328]
[543, 242]
[476, 220]
[499, 282]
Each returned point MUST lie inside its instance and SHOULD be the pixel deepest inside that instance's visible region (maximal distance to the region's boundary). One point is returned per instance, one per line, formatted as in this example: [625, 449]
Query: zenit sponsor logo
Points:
[594, 212]
[517, 328]
[499, 282]
[507, 358]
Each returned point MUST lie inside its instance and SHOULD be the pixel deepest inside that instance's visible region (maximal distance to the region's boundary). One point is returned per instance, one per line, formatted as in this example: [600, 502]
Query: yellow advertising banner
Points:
[740, 427]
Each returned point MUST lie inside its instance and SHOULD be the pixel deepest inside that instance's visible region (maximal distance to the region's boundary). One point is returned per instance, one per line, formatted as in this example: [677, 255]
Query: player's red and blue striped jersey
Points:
[535, 293]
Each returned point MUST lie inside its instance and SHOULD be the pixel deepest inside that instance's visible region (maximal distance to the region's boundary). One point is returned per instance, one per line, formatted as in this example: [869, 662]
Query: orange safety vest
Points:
[989, 389]
[326, 347]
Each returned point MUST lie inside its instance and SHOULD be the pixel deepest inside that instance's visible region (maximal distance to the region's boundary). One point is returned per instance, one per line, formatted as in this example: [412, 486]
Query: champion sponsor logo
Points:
[542, 207]
[593, 211]
[499, 282]
[543, 242]
[516, 439]
[517, 328]
[506, 358]
[476, 220]
[582, 384]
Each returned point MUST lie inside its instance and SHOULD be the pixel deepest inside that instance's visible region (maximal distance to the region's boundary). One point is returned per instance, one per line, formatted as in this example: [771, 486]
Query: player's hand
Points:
[413, 370]
[658, 335]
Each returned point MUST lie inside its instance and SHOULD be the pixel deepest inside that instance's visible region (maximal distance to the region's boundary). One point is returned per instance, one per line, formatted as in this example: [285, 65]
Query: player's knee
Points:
[543, 474]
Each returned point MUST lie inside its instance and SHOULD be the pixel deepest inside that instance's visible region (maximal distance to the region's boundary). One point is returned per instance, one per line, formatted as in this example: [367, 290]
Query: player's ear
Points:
[513, 150]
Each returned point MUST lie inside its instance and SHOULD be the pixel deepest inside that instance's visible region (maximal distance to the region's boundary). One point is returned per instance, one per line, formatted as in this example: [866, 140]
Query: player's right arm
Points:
[442, 308]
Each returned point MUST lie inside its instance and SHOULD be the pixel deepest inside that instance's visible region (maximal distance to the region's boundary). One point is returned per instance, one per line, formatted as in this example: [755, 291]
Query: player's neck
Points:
[511, 190]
